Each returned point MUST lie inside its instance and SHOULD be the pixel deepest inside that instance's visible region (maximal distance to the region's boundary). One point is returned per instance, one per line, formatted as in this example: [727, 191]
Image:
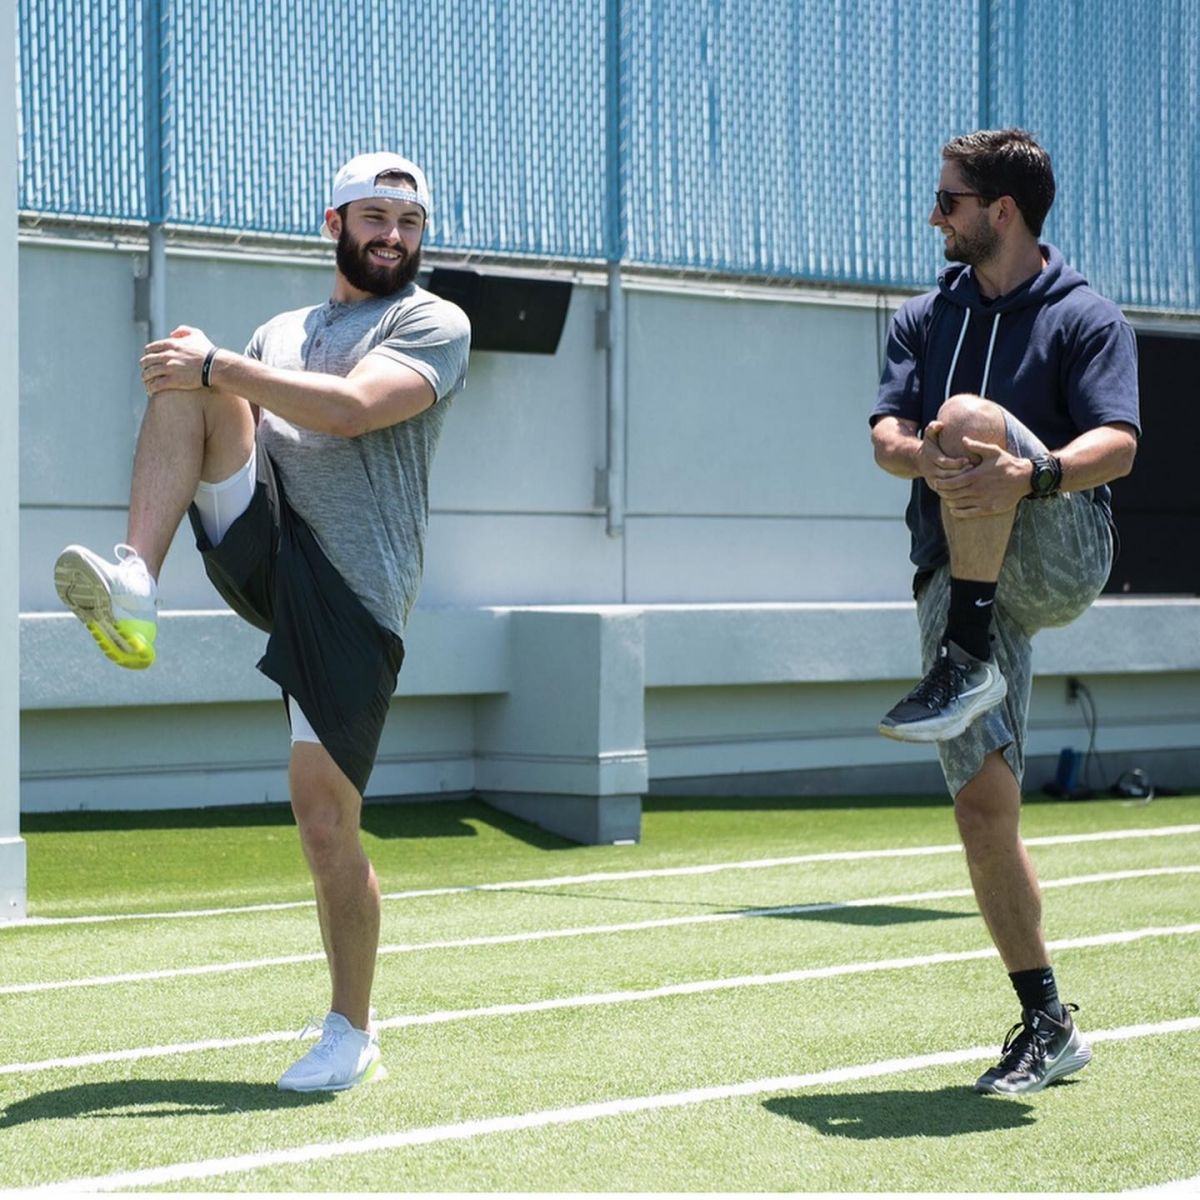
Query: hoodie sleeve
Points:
[900, 387]
[1102, 380]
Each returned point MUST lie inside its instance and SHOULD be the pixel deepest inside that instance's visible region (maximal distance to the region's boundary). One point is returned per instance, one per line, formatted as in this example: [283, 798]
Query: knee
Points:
[324, 836]
[985, 821]
[972, 817]
[970, 416]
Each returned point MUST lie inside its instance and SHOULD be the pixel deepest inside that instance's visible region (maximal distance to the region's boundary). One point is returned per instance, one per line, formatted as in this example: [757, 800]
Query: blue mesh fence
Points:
[79, 70]
[502, 105]
[1112, 88]
[776, 138]
[783, 138]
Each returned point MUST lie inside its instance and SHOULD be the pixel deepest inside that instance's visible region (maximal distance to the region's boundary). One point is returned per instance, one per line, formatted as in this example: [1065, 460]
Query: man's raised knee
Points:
[965, 415]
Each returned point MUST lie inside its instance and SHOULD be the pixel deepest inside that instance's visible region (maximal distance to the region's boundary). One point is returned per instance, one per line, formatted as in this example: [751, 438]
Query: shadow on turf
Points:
[867, 1116]
[875, 914]
[865, 914]
[155, 1098]
[383, 818]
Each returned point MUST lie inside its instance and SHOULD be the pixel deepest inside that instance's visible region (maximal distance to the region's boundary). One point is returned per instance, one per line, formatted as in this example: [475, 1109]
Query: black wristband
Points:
[206, 370]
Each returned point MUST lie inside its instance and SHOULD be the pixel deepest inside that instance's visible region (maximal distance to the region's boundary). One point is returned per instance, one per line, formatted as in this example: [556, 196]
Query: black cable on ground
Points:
[1134, 784]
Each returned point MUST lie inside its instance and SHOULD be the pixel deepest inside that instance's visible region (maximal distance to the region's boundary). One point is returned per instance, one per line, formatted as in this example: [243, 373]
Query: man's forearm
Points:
[897, 447]
[1097, 457]
[312, 400]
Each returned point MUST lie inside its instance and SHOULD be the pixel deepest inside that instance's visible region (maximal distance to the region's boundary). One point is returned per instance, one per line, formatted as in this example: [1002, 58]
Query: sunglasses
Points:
[947, 200]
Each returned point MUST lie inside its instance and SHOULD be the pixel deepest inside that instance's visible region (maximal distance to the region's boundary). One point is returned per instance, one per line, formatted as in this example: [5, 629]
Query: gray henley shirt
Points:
[366, 498]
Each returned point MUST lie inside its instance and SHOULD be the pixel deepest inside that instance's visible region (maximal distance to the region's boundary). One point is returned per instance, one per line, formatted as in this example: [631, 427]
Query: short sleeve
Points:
[434, 339]
[1102, 381]
[899, 392]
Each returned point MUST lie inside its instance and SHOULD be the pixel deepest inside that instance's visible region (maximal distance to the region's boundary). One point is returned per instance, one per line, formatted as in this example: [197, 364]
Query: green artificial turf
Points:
[1128, 1120]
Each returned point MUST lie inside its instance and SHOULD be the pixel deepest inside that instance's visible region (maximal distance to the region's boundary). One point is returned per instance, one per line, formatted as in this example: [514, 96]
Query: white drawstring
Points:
[987, 365]
[962, 333]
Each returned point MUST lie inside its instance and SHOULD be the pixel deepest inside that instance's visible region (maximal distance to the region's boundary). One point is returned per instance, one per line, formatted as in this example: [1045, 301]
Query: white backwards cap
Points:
[356, 181]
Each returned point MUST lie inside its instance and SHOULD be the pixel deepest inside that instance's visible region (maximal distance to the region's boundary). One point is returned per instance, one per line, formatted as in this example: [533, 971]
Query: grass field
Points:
[761, 996]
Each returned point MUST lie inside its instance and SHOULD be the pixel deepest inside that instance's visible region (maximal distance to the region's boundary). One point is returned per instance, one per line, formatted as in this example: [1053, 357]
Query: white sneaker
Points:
[341, 1058]
[118, 602]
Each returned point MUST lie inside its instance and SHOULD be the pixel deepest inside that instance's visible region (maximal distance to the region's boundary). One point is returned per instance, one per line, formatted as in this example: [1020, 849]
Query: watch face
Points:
[1043, 480]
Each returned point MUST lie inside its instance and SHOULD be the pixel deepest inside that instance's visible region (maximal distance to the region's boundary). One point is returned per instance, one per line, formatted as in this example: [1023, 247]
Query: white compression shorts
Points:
[219, 505]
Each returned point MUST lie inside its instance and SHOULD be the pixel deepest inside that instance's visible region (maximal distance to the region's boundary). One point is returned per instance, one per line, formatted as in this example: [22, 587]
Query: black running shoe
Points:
[1037, 1051]
[957, 689]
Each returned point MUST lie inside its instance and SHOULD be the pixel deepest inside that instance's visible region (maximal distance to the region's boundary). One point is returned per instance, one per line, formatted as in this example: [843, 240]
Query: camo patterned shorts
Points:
[1058, 560]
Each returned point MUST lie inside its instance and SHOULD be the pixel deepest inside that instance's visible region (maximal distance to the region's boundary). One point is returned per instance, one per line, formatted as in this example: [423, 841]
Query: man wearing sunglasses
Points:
[1010, 399]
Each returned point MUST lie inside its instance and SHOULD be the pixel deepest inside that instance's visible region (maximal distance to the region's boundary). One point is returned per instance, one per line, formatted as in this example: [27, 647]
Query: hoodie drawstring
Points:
[987, 365]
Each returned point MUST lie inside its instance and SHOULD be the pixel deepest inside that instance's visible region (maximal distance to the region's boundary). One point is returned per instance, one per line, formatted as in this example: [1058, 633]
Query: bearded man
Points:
[303, 465]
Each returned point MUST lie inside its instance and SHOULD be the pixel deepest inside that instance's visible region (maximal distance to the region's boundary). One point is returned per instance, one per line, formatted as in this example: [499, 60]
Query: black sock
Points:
[970, 619]
[1037, 989]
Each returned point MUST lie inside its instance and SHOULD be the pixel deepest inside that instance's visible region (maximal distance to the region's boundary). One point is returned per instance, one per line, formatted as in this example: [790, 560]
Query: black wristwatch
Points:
[1046, 477]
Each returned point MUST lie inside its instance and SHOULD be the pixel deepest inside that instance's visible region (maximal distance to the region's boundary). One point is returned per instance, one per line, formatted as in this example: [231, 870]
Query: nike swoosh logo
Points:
[983, 603]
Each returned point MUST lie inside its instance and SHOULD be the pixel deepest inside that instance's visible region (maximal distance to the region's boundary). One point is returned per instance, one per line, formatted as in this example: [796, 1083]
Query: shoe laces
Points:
[1022, 1051]
[1025, 1046]
[311, 1025]
[132, 565]
[328, 1040]
[942, 684]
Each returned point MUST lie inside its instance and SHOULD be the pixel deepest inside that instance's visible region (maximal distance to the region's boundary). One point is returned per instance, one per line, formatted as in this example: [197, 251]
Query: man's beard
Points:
[370, 277]
[972, 248]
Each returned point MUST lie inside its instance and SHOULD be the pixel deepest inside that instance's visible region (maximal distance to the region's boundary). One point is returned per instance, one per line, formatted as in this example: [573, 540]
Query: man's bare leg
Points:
[962, 683]
[327, 807]
[185, 437]
[988, 812]
[977, 544]
[1048, 1046]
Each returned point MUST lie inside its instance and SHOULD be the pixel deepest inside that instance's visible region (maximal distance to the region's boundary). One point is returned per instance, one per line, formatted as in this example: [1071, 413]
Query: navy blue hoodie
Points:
[1060, 357]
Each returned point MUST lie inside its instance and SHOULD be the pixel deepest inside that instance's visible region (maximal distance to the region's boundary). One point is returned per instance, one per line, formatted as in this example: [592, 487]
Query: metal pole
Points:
[614, 479]
[13, 871]
[154, 160]
[984, 73]
[614, 476]
[156, 280]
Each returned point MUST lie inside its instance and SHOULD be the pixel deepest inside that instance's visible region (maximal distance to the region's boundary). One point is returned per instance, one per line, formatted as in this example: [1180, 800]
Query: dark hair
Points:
[388, 177]
[1006, 162]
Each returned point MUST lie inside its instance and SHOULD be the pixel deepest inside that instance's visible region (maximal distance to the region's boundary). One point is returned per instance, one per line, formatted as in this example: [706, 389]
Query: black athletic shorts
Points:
[325, 649]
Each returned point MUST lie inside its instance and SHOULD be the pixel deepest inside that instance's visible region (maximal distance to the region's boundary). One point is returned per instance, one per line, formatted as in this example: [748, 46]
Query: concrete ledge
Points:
[1119, 636]
[542, 711]
[209, 656]
[719, 645]
[1166, 768]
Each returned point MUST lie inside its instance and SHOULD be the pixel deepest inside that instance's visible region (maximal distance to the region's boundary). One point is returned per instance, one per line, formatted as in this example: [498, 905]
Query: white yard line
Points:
[576, 1114]
[690, 988]
[1180, 1187]
[613, 876]
[579, 931]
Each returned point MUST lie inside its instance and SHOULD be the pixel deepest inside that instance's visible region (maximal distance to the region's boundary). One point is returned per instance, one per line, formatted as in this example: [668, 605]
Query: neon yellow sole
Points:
[135, 650]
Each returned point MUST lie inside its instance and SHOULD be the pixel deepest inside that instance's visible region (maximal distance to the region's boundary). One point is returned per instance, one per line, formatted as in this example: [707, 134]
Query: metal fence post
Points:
[156, 155]
[615, 239]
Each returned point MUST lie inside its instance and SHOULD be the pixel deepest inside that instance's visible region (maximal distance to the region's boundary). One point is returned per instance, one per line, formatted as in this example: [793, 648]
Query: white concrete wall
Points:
[749, 467]
[12, 847]
[746, 631]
